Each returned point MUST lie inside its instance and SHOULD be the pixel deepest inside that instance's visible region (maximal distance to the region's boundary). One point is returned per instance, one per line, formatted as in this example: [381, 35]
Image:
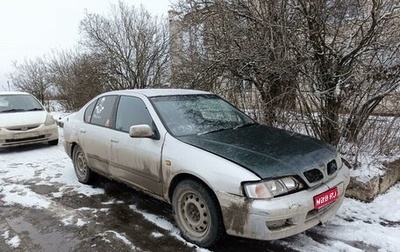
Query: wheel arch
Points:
[186, 176]
[73, 145]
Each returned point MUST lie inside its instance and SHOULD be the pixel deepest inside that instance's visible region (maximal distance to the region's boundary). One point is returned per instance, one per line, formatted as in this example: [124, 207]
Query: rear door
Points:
[135, 161]
[95, 132]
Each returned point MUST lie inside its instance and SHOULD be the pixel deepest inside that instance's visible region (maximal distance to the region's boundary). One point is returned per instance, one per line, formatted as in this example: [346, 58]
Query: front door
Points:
[135, 161]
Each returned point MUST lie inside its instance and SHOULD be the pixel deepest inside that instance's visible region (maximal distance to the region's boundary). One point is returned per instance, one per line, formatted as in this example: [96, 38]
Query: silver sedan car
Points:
[222, 172]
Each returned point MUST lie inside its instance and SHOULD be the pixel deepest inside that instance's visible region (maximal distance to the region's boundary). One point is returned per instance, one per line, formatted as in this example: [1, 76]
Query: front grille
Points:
[313, 175]
[332, 167]
[316, 175]
[23, 128]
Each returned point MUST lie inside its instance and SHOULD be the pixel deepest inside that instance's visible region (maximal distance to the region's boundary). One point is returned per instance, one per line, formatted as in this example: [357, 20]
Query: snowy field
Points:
[358, 226]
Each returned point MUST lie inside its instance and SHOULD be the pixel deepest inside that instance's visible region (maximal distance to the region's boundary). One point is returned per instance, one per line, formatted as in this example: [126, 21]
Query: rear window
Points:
[102, 112]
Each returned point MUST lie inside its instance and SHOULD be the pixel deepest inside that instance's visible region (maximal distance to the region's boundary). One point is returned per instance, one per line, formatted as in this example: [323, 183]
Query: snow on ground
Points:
[357, 226]
[375, 224]
[12, 241]
[119, 236]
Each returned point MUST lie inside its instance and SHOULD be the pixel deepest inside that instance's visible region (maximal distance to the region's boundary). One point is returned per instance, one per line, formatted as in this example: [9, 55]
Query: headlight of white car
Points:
[49, 120]
[271, 188]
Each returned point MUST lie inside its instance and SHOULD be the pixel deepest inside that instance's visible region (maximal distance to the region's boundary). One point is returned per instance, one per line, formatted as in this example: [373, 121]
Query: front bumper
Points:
[41, 134]
[280, 217]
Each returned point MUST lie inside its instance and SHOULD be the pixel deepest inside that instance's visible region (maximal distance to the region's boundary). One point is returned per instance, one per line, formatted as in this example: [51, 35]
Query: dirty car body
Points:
[221, 171]
[24, 121]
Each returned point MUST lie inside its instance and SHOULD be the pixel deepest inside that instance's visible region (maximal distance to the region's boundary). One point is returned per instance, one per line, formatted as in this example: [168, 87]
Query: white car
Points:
[221, 171]
[24, 121]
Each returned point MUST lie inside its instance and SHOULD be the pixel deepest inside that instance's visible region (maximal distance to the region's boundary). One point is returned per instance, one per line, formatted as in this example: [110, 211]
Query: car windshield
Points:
[198, 114]
[18, 103]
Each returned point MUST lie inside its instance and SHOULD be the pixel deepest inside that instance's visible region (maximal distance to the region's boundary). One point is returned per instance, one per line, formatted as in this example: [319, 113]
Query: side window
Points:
[89, 111]
[131, 111]
[102, 113]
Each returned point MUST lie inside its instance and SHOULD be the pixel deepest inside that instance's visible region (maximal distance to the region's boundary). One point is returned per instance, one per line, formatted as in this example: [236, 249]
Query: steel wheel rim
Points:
[194, 214]
[80, 164]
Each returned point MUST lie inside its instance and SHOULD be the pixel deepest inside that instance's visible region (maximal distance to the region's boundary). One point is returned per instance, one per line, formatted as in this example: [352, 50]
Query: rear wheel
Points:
[197, 213]
[82, 170]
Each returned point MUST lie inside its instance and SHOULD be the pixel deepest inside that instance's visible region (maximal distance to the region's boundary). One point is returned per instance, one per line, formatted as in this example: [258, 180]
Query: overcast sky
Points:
[33, 28]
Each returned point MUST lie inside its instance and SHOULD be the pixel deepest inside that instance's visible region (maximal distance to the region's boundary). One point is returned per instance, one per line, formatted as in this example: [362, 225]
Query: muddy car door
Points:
[135, 161]
[94, 133]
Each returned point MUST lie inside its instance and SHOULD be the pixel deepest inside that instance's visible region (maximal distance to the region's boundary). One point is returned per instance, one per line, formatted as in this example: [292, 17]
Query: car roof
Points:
[13, 93]
[152, 92]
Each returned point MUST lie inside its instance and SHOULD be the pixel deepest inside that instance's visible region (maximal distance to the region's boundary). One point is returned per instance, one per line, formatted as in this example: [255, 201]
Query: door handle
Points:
[114, 140]
[82, 130]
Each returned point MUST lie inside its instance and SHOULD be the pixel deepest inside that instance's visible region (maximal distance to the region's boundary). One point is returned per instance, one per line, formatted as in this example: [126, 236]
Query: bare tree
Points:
[351, 62]
[31, 76]
[133, 44]
[77, 77]
[323, 58]
[245, 43]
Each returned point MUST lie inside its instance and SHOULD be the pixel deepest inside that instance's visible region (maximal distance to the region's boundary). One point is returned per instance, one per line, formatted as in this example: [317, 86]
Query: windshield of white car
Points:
[198, 114]
[18, 103]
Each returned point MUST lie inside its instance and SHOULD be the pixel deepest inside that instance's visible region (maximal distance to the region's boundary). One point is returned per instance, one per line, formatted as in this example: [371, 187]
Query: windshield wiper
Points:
[213, 131]
[12, 110]
[34, 109]
[245, 125]
[231, 128]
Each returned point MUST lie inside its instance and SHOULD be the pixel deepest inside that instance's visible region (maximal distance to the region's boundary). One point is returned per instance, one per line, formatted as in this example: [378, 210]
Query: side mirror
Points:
[142, 130]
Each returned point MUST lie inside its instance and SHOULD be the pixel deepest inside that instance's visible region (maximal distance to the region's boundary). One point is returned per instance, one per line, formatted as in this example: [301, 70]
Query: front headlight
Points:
[49, 120]
[272, 188]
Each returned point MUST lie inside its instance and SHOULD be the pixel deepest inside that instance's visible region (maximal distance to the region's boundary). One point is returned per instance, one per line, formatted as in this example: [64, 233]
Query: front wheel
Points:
[82, 170]
[197, 213]
[53, 142]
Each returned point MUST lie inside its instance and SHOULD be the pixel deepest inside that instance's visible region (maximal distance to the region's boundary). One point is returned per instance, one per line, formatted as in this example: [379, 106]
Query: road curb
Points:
[368, 190]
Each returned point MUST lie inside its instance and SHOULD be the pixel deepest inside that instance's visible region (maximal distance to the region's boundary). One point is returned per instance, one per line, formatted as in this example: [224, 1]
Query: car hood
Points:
[266, 151]
[22, 118]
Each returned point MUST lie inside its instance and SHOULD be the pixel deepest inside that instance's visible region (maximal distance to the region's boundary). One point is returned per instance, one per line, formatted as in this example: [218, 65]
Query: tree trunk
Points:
[330, 120]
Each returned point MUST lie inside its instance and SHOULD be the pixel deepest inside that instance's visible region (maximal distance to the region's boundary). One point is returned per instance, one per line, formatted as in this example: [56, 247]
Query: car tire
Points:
[83, 172]
[197, 213]
[53, 142]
